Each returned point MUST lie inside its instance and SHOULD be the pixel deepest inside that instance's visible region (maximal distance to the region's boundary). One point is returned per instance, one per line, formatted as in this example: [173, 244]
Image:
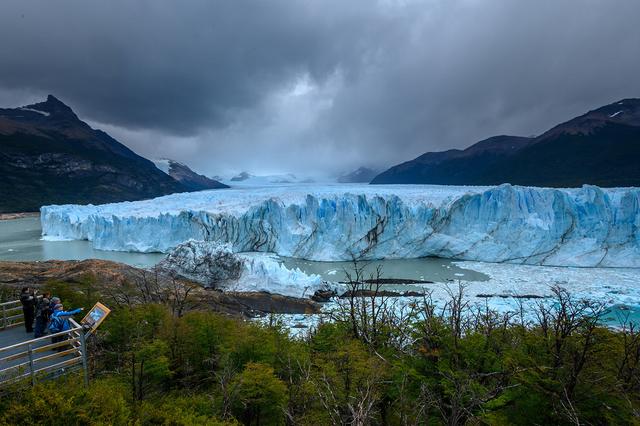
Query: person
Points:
[60, 322]
[43, 310]
[54, 301]
[28, 300]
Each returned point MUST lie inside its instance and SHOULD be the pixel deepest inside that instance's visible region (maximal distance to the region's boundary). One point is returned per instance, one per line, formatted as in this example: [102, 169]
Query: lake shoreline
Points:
[22, 215]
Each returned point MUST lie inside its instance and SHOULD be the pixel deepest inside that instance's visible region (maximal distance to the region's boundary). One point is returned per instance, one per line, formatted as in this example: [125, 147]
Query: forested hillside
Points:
[159, 362]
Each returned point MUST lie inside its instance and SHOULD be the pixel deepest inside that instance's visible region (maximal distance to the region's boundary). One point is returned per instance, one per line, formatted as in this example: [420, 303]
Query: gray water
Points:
[424, 269]
[20, 240]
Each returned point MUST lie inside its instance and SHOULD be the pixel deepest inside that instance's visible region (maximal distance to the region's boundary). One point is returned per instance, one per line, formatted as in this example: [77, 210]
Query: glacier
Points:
[582, 227]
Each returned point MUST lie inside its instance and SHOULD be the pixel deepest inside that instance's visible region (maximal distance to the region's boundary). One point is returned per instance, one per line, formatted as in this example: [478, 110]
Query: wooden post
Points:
[31, 368]
[4, 317]
[83, 348]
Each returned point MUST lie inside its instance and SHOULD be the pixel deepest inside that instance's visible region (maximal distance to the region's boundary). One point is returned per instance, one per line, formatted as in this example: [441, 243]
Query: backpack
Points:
[56, 324]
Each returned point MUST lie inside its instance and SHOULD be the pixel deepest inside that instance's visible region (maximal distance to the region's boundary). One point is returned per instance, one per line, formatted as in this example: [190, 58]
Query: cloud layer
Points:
[318, 87]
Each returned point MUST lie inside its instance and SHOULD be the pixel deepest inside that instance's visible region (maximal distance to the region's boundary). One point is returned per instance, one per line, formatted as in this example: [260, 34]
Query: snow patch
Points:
[46, 114]
[615, 114]
[163, 164]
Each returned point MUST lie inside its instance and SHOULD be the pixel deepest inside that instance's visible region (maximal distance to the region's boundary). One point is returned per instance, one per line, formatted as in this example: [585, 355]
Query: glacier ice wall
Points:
[556, 227]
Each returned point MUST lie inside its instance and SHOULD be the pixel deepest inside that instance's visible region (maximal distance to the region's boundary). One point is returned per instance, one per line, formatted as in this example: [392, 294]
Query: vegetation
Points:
[373, 364]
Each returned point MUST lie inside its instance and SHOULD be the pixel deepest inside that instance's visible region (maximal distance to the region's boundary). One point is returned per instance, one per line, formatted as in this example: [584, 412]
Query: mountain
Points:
[456, 167]
[361, 175]
[241, 177]
[601, 147]
[49, 156]
[187, 177]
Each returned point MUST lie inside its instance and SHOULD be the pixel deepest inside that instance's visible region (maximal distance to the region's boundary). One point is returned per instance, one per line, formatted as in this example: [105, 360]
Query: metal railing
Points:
[32, 359]
[11, 314]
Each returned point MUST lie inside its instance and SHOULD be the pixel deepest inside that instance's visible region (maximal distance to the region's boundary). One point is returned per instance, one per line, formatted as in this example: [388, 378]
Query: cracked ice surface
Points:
[588, 226]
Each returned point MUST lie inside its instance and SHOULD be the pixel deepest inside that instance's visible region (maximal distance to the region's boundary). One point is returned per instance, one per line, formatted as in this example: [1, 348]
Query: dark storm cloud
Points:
[162, 64]
[318, 86]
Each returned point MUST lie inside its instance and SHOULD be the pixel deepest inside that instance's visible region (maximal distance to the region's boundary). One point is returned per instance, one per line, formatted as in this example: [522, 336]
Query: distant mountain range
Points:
[601, 147]
[187, 177]
[361, 175]
[246, 178]
[49, 156]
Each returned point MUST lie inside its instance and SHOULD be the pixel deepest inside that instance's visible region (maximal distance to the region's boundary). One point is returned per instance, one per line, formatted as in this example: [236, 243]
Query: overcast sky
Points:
[318, 87]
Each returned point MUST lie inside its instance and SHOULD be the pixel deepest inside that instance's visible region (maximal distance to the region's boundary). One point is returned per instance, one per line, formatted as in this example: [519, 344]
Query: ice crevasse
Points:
[588, 226]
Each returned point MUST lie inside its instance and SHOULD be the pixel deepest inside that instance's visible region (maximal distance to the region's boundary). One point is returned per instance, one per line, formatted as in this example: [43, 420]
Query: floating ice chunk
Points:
[55, 238]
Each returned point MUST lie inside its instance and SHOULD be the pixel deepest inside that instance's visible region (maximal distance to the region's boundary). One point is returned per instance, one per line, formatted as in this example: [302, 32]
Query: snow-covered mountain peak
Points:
[52, 107]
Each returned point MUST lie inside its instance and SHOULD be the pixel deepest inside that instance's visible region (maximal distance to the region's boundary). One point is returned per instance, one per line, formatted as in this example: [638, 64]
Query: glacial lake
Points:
[424, 269]
[20, 239]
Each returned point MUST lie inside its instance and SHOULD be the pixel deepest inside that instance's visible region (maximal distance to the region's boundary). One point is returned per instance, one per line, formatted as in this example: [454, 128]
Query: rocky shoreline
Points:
[12, 216]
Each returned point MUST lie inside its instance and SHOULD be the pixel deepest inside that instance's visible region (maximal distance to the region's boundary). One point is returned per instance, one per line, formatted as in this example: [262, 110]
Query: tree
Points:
[262, 397]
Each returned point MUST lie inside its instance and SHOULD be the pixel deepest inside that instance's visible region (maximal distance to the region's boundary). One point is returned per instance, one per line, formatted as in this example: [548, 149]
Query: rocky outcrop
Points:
[211, 264]
[104, 272]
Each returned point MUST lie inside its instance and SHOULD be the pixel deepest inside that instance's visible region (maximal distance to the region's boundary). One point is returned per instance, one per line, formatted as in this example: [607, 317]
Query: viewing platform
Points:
[23, 357]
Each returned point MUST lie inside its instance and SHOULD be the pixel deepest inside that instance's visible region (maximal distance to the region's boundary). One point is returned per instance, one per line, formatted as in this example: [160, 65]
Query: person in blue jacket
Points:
[60, 322]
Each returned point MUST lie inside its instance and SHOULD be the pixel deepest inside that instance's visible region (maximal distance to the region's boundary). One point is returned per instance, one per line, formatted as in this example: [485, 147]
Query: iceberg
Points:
[583, 227]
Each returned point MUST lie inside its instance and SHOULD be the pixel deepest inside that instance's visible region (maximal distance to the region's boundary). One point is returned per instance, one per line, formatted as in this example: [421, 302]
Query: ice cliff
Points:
[589, 226]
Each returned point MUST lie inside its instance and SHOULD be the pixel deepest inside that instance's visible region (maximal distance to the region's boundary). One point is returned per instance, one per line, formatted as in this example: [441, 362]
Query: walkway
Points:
[23, 357]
